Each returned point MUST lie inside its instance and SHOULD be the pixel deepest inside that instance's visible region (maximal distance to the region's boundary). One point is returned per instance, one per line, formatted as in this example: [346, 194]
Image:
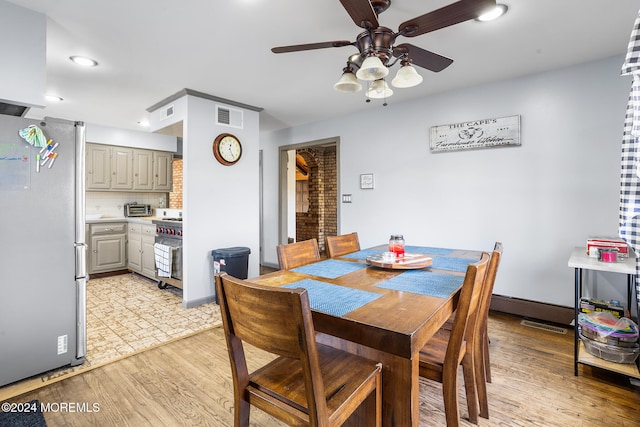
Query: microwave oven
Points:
[136, 209]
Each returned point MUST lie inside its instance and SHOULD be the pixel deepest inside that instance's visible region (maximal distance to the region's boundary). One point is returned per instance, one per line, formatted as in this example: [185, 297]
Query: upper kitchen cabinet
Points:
[98, 167]
[143, 170]
[109, 168]
[163, 171]
[121, 168]
[128, 169]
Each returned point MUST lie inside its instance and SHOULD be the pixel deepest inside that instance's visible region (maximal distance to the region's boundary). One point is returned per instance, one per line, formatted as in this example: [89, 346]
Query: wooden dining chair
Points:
[296, 254]
[308, 383]
[448, 349]
[482, 361]
[481, 347]
[340, 245]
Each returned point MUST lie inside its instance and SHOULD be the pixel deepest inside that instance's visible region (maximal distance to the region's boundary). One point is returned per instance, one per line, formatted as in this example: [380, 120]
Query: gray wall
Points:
[540, 199]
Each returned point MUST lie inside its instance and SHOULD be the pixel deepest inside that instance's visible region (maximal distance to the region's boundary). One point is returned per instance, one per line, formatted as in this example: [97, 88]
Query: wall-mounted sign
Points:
[366, 181]
[476, 134]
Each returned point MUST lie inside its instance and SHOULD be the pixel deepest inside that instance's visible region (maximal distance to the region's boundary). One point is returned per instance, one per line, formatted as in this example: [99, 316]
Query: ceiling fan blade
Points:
[361, 12]
[452, 14]
[423, 58]
[310, 46]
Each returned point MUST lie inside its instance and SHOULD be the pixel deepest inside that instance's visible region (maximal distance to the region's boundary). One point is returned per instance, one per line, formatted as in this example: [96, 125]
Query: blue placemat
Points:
[329, 269]
[427, 250]
[363, 254]
[451, 263]
[333, 299]
[424, 283]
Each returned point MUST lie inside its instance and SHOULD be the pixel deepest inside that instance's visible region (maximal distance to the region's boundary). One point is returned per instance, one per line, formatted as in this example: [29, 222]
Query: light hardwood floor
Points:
[187, 382]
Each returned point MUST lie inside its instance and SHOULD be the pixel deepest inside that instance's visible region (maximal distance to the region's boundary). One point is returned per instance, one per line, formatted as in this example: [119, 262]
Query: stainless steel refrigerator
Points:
[42, 248]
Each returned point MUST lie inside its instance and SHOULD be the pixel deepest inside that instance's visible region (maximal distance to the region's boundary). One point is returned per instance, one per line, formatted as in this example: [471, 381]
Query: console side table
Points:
[580, 261]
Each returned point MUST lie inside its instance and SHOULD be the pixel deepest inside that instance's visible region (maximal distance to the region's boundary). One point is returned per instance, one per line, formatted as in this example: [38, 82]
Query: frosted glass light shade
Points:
[348, 83]
[407, 76]
[379, 90]
[372, 69]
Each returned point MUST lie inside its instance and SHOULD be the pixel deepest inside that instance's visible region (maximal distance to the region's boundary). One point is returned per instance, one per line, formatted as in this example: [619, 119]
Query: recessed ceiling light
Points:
[53, 98]
[494, 13]
[144, 123]
[84, 61]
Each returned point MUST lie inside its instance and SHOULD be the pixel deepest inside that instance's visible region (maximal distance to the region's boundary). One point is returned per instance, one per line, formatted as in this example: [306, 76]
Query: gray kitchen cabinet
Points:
[121, 168]
[98, 167]
[115, 168]
[163, 171]
[148, 257]
[143, 170]
[134, 247]
[140, 240]
[109, 167]
[108, 247]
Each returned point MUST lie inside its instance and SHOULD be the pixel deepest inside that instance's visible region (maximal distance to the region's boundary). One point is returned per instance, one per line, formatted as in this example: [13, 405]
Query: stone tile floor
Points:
[128, 313]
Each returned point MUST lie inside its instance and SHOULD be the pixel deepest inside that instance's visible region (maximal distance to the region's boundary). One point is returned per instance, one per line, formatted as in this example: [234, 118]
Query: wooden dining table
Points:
[384, 314]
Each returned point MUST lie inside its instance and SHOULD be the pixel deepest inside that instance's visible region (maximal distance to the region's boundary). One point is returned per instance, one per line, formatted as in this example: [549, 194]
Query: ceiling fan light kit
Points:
[348, 83]
[407, 76]
[379, 89]
[372, 69]
[376, 45]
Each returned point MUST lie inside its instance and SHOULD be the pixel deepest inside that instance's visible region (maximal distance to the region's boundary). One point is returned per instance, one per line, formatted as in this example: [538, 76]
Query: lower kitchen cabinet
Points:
[141, 238]
[108, 247]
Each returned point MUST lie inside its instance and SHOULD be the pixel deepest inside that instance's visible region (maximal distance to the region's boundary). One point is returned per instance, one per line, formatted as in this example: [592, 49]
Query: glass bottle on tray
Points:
[396, 245]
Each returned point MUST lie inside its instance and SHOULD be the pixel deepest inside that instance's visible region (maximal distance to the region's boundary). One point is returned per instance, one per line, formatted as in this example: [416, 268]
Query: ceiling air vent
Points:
[229, 117]
[166, 112]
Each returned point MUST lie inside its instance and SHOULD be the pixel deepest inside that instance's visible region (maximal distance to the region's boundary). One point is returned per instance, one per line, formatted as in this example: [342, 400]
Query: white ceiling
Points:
[151, 49]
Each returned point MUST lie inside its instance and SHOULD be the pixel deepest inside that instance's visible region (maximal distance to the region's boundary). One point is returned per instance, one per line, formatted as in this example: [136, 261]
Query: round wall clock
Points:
[227, 149]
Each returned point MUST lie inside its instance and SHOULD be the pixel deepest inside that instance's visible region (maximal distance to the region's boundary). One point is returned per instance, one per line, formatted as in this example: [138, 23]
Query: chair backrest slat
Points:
[266, 319]
[296, 254]
[485, 302]
[467, 308]
[340, 245]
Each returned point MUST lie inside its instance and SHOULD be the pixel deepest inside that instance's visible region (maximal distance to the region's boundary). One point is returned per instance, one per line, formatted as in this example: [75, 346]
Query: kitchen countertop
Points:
[140, 220]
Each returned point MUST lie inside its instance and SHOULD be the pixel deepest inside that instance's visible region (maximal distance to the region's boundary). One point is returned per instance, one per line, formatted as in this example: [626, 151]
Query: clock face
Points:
[227, 149]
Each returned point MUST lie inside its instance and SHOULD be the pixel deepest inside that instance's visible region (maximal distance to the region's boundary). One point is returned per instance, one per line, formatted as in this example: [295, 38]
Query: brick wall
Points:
[321, 218]
[175, 197]
[330, 194]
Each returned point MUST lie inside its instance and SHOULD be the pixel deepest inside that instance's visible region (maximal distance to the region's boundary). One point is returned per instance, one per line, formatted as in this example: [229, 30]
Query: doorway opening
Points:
[309, 191]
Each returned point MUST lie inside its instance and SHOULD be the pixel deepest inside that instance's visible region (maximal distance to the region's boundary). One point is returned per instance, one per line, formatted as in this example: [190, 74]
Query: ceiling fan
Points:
[376, 46]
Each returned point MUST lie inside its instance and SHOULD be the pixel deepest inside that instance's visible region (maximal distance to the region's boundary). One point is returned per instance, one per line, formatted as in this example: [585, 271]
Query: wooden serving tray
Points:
[409, 262]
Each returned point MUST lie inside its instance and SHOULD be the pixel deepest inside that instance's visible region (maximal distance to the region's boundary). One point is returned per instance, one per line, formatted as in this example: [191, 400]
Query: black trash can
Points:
[234, 261]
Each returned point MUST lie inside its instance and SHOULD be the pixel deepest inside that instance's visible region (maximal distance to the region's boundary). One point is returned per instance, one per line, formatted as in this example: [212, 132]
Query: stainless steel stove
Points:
[169, 233]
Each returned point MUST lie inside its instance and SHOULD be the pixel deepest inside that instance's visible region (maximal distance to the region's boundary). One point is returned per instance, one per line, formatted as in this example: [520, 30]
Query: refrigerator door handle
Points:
[81, 260]
[80, 246]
